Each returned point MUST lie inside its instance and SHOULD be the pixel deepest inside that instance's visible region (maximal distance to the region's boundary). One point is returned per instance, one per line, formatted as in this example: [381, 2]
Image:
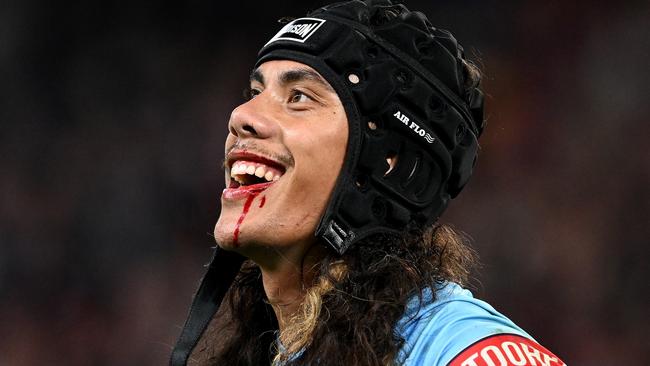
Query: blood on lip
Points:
[234, 193]
[250, 192]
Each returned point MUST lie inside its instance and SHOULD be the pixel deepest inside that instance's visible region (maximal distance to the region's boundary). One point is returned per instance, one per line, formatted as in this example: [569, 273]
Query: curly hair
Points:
[349, 313]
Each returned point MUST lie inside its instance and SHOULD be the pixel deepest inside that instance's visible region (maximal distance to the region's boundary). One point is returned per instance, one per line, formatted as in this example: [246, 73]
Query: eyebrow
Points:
[292, 76]
[256, 75]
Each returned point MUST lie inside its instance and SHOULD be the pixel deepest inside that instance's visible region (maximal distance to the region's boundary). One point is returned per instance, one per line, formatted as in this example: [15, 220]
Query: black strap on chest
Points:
[215, 283]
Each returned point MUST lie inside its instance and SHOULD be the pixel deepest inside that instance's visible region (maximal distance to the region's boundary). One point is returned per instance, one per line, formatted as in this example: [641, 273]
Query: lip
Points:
[247, 155]
[241, 192]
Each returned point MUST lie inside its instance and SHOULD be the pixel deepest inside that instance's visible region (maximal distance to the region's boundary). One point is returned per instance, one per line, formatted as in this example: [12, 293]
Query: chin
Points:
[229, 238]
[223, 234]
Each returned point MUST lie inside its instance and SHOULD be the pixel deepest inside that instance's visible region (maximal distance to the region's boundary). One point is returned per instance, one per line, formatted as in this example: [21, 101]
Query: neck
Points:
[286, 279]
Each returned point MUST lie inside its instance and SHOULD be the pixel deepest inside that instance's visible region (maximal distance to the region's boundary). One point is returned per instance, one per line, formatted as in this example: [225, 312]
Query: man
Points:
[362, 124]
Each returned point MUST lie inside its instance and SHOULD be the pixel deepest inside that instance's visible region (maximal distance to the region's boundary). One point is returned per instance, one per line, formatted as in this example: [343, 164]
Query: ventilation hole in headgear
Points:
[391, 160]
[354, 78]
[361, 181]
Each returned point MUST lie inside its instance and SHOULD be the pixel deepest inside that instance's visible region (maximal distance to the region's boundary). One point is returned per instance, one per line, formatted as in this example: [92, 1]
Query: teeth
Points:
[235, 170]
[259, 172]
[238, 169]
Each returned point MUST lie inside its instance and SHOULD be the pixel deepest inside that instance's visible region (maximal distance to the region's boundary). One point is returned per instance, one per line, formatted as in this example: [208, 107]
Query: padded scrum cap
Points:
[402, 83]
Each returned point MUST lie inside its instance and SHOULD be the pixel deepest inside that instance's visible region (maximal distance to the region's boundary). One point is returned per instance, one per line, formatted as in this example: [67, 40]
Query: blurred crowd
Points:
[112, 123]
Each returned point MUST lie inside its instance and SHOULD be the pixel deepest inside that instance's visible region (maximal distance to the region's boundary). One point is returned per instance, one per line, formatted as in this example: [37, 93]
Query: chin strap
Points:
[217, 280]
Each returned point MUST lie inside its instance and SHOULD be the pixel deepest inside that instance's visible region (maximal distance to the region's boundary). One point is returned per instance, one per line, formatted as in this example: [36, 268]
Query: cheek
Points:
[321, 155]
[324, 139]
[319, 158]
[333, 140]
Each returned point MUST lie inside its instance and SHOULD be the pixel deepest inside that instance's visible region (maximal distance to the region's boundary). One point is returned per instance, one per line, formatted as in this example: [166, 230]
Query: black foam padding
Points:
[411, 86]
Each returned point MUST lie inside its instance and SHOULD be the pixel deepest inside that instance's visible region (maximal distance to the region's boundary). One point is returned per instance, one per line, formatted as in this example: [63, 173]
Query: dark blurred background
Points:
[112, 122]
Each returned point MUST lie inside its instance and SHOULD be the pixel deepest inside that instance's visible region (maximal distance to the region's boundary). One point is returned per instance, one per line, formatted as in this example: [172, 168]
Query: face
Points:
[284, 153]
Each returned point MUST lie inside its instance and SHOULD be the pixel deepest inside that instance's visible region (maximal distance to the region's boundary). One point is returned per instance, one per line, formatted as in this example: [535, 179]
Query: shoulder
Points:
[457, 329]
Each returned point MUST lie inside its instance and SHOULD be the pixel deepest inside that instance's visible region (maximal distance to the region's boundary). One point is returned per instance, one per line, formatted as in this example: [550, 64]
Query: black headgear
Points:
[405, 91]
[402, 83]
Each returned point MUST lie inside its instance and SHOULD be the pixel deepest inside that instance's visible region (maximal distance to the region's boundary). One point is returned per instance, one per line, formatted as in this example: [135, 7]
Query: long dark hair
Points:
[349, 313]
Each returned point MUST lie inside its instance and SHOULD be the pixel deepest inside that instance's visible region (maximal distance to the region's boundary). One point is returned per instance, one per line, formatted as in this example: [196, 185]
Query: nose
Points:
[252, 120]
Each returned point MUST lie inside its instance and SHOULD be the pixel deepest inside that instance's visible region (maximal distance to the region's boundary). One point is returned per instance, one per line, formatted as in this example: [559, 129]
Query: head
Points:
[394, 139]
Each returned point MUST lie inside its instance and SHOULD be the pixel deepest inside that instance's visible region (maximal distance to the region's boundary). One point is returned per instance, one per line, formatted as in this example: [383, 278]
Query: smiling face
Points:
[284, 153]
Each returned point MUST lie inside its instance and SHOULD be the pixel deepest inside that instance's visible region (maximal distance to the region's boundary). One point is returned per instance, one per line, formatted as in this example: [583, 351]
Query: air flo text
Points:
[413, 126]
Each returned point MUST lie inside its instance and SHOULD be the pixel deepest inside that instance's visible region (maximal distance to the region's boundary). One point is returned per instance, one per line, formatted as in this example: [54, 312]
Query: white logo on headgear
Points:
[298, 30]
[414, 126]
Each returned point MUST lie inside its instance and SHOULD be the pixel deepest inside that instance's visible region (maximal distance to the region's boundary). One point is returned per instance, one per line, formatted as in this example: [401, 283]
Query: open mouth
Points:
[250, 174]
[245, 173]
[250, 171]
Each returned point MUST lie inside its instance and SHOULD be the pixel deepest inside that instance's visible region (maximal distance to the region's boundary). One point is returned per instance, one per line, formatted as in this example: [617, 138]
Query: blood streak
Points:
[247, 206]
[262, 201]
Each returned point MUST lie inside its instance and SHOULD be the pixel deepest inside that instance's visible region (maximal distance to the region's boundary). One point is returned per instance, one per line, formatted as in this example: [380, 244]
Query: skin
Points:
[297, 120]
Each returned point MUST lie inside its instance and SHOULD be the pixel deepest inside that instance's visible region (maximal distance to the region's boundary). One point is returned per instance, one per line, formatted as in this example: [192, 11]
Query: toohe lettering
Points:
[504, 350]
[514, 353]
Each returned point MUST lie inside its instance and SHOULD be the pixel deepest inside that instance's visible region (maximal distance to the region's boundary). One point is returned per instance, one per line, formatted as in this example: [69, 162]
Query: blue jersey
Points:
[457, 329]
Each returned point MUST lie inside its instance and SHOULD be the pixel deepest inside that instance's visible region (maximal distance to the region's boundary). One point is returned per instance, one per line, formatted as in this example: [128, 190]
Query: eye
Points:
[250, 93]
[297, 96]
